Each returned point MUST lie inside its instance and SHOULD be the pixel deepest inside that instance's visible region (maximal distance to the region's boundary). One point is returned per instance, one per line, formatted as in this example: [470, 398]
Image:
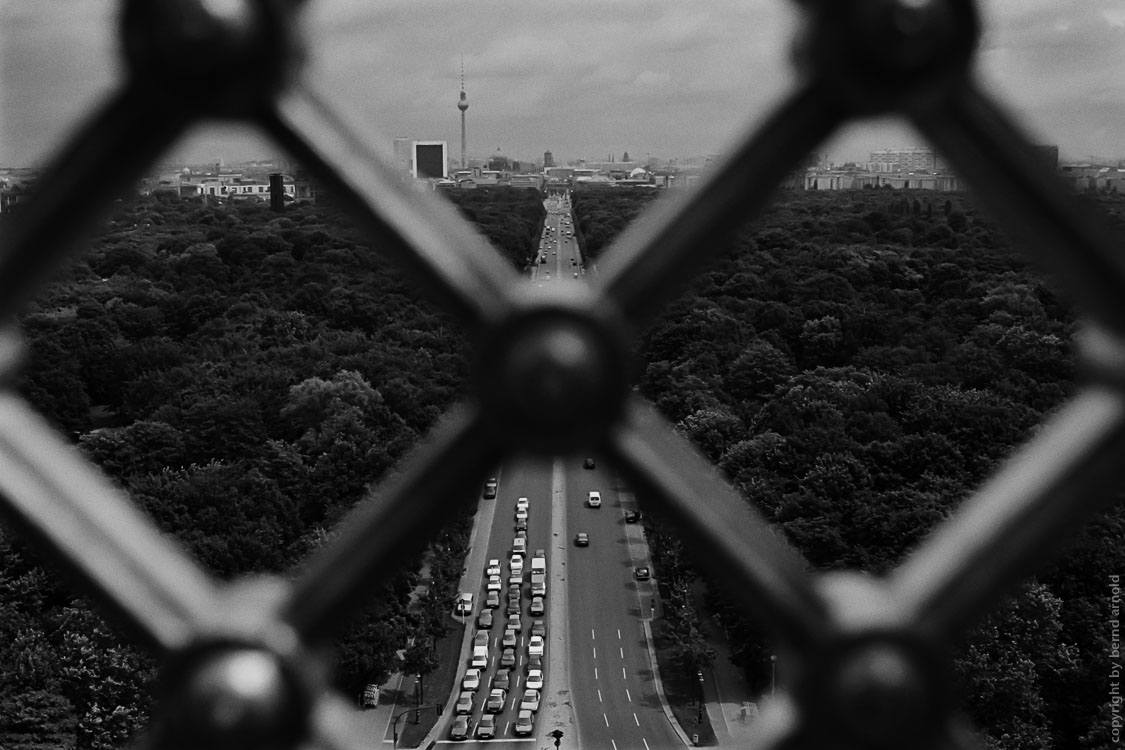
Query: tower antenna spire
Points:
[463, 104]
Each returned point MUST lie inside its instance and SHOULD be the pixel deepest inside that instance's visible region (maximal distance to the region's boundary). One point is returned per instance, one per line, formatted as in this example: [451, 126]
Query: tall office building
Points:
[920, 159]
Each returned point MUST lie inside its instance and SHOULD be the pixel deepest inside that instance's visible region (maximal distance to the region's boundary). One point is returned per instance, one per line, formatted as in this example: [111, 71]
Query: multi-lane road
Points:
[598, 670]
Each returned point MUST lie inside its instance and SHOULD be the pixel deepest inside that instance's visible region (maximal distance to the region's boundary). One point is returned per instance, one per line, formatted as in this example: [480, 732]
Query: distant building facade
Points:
[922, 159]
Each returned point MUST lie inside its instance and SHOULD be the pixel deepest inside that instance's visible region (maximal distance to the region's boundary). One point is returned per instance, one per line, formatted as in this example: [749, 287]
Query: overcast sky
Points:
[583, 78]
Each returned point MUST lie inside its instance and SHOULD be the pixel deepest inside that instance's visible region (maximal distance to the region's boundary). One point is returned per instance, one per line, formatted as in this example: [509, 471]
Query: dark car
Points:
[642, 573]
[582, 539]
[490, 489]
[632, 516]
[588, 463]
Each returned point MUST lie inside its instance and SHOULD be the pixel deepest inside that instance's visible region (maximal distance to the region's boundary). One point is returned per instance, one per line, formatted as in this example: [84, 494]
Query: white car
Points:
[521, 504]
[594, 499]
[516, 564]
[521, 514]
[494, 583]
[525, 723]
[471, 680]
[530, 701]
[534, 679]
[535, 646]
[464, 604]
[493, 568]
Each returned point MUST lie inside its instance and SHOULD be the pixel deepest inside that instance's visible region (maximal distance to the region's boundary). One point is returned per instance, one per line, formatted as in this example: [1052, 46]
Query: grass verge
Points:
[681, 693]
[438, 686]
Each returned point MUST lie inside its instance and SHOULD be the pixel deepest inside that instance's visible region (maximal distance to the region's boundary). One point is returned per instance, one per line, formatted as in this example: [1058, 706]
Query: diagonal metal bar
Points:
[102, 162]
[393, 522]
[335, 726]
[441, 252]
[1069, 239]
[739, 547]
[1024, 512]
[780, 726]
[655, 257]
[74, 512]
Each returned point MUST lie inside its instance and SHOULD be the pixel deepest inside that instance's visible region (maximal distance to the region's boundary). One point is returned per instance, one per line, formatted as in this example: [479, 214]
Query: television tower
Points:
[462, 105]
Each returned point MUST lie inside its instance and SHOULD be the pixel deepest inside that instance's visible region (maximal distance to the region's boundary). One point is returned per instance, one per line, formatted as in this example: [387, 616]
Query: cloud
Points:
[649, 79]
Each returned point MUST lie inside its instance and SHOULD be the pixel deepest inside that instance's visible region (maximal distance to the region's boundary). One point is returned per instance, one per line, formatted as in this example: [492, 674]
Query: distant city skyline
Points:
[581, 78]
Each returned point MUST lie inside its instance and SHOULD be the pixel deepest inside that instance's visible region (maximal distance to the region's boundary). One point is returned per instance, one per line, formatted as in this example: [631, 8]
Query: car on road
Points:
[536, 606]
[509, 639]
[519, 545]
[525, 723]
[594, 499]
[516, 565]
[521, 514]
[581, 539]
[508, 658]
[493, 568]
[480, 657]
[464, 604]
[484, 620]
[514, 592]
[486, 729]
[534, 662]
[503, 678]
[535, 646]
[461, 727]
[481, 639]
[515, 581]
[539, 628]
[642, 573]
[632, 516]
[530, 701]
[540, 554]
[492, 600]
[495, 702]
[464, 703]
[515, 624]
[521, 524]
[490, 488]
[588, 463]
[494, 583]
[534, 679]
[370, 697]
[513, 609]
[521, 504]
[471, 680]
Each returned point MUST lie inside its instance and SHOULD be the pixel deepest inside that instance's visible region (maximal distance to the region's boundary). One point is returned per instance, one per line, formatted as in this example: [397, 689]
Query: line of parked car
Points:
[501, 684]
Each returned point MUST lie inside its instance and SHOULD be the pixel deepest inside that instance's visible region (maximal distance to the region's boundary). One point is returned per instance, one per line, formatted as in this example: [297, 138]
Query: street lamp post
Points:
[699, 675]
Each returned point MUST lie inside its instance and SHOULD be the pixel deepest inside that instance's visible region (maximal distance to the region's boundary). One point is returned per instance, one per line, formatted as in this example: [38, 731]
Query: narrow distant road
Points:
[599, 676]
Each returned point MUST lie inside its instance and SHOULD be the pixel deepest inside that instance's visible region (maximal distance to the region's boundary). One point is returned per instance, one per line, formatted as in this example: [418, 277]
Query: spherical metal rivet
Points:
[881, 695]
[556, 369]
[239, 697]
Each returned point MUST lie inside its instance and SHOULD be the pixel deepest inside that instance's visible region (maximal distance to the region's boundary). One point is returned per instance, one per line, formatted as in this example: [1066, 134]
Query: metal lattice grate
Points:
[852, 642]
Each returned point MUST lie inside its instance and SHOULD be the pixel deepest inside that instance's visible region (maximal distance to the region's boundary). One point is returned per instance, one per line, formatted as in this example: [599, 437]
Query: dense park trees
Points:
[857, 363]
[245, 376]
